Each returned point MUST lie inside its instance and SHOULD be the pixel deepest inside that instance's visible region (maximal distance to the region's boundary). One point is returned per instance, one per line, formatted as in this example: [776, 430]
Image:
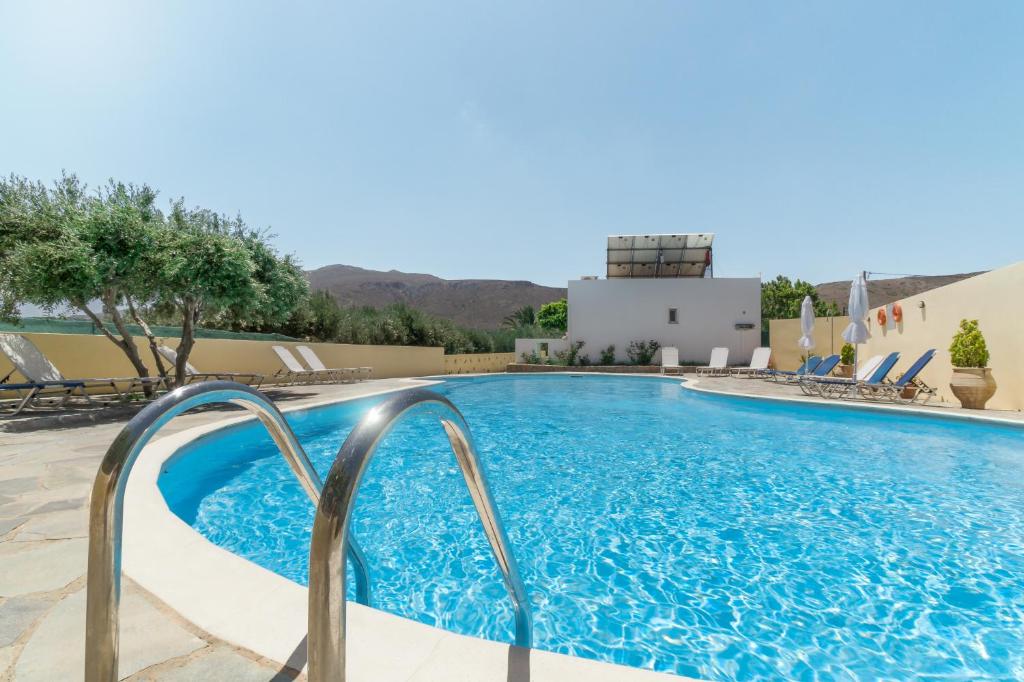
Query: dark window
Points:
[673, 316]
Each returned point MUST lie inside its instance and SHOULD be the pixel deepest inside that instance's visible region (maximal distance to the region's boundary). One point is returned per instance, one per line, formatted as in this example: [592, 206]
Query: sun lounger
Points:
[717, 364]
[810, 364]
[193, 374]
[36, 368]
[822, 371]
[758, 363]
[864, 372]
[295, 373]
[848, 388]
[338, 373]
[670, 360]
[32, 394]
[906, 383]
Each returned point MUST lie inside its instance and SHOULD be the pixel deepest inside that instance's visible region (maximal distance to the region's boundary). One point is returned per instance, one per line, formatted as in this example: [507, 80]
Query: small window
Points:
[673, 316]
[544, 349]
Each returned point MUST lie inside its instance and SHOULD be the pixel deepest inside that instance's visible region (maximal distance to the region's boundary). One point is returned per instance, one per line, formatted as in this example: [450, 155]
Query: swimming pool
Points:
[715, 537]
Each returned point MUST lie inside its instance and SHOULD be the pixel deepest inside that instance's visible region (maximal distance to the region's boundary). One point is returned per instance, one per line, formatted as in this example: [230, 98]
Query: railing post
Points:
[327, 628]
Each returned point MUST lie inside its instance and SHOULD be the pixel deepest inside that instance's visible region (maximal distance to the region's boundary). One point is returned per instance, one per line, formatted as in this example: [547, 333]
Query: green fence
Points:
[47, 325]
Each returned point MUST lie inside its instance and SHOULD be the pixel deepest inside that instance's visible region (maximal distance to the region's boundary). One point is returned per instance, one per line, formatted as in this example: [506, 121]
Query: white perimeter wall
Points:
[618, 311]
[526, 346]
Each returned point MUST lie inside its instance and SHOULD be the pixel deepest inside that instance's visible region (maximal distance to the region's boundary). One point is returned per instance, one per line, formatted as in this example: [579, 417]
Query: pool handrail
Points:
[327, 627]
[103, 587]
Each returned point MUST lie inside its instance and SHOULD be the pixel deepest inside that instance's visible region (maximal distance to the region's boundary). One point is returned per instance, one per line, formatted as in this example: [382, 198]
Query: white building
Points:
[661, 288]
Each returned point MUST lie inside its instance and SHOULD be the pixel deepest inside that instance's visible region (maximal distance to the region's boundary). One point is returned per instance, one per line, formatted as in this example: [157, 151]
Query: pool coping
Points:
[252, 607]
[695, 385]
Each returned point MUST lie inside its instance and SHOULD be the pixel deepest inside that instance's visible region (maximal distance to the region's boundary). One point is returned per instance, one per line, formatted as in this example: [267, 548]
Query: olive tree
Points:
[63, 247]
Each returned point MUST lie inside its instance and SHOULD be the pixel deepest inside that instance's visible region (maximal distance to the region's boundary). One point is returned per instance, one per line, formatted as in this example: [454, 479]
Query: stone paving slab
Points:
[56, 650]
[214, 663]
[40, 566]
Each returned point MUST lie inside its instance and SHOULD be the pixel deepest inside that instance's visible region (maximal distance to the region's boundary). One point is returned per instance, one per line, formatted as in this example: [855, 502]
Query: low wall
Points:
[477, 363]
[527, 346]
[83, 356]
[784, 334]
[995, 299]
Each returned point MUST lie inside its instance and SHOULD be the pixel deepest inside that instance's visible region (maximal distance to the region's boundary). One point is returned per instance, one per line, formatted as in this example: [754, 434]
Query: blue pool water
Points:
[715, 537]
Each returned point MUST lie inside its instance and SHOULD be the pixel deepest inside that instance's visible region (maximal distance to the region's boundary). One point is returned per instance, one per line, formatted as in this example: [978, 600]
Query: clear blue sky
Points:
[506, 140]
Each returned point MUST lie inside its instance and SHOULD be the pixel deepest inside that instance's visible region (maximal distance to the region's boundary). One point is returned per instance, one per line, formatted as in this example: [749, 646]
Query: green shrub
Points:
[642, 352]
[531, 358]
[968, 348]
[846, 354]
[608, 355]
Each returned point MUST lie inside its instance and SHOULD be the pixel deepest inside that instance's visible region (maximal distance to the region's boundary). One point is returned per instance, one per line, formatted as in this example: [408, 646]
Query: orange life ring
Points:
[897, 312]
[881, 317]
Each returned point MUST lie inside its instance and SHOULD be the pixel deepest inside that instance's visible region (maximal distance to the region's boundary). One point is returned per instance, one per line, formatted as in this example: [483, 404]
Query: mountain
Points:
[476, 303]
[883, 291]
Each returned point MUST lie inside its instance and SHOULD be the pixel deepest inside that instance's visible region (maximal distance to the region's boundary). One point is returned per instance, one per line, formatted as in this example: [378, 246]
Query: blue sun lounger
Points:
[843, 388]
[809, 365]
[907, 382]
[30, 393]
[820, 373]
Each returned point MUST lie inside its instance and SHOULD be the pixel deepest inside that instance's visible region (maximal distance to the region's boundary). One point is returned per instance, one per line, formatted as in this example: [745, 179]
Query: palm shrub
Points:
[968, 348]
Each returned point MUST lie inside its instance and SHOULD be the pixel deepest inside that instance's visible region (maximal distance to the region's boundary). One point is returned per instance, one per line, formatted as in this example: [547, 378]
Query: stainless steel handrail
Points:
[106, 507]
[326, 636]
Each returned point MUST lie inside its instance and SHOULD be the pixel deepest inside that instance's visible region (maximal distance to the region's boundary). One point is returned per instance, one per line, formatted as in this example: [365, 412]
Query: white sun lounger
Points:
[717, 365]
[37, 368]
[339, 373]
[295, 373]
[670, 360]
[758, 363]
[249, 379]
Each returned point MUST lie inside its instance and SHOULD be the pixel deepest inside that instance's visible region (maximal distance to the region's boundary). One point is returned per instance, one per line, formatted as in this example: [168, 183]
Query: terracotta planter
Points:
[846, 371]
[973, 386]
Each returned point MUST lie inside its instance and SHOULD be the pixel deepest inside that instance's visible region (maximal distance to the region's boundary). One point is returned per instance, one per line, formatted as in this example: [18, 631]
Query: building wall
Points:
[477, 363]
[84, 356]
[618, 311]
[995, 299]
[784, 334]
[527, 346]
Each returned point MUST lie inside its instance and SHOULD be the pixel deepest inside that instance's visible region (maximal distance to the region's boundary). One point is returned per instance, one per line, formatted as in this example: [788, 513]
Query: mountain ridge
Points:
[475, 303]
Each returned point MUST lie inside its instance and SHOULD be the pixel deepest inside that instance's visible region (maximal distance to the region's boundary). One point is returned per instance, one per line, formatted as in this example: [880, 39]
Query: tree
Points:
[782, 298]
[65, 248]
[554, 316]
[522, 317]
[202, 267]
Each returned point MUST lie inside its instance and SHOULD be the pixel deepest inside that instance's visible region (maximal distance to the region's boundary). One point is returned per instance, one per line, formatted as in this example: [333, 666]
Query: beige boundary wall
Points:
[784, 334]
[477, 363]
[995, 299]
[83, 356]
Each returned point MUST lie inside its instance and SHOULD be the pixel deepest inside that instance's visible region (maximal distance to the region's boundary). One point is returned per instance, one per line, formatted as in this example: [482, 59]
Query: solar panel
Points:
[659, 255]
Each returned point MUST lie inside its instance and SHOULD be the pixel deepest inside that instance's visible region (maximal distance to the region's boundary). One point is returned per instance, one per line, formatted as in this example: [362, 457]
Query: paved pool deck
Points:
[45, 481]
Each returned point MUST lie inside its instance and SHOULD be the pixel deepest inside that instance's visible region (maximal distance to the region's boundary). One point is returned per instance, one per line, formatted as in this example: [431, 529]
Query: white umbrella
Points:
[857, 331]
[806, 341]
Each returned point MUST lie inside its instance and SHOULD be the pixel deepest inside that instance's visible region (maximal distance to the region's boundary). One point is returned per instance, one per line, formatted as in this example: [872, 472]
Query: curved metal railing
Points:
[106, 507]
[326, 637]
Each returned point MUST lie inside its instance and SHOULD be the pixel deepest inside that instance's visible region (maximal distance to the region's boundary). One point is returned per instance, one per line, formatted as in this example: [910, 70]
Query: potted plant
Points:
[846, 360]
[972, 381]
